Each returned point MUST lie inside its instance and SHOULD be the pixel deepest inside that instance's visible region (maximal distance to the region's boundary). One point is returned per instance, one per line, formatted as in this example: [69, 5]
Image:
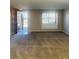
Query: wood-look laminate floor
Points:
[40, 46]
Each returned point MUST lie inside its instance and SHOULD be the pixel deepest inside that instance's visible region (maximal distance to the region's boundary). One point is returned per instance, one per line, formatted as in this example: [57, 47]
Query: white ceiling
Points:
[40, 4]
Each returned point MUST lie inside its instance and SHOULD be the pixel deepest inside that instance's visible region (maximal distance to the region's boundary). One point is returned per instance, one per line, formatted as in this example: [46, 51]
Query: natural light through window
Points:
[49, 20]
[25, 19]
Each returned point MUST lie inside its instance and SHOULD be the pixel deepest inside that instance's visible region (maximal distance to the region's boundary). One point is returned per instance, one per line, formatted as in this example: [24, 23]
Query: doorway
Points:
[22, 22]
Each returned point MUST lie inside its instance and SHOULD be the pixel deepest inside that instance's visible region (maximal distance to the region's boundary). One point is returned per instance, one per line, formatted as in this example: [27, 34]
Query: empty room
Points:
[39, 29]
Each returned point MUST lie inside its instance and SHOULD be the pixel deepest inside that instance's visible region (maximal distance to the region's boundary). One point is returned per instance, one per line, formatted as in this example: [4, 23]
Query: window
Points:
[25, 18]
[49, 20]
[22, 22]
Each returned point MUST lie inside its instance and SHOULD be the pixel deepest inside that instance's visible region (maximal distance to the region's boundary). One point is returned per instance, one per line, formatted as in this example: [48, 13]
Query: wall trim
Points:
[48, 31]
[66, 33]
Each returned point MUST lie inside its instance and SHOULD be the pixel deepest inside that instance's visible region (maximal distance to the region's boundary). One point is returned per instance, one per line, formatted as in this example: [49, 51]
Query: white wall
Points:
[66, 21]
[35, 21]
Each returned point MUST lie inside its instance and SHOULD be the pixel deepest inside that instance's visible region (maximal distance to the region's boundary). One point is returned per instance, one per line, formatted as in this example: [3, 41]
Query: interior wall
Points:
[35, 21]
[66, 21]
[13, 27]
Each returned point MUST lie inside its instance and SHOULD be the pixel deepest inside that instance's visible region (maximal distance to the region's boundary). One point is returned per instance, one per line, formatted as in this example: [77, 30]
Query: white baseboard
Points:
[66, 33]
[46, 31]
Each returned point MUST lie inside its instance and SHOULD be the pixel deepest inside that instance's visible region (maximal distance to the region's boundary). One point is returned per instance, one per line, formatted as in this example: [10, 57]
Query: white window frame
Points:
[50, 25]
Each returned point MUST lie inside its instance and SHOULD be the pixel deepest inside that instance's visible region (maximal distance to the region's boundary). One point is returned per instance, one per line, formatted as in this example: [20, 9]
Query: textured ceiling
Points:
[39, 4]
